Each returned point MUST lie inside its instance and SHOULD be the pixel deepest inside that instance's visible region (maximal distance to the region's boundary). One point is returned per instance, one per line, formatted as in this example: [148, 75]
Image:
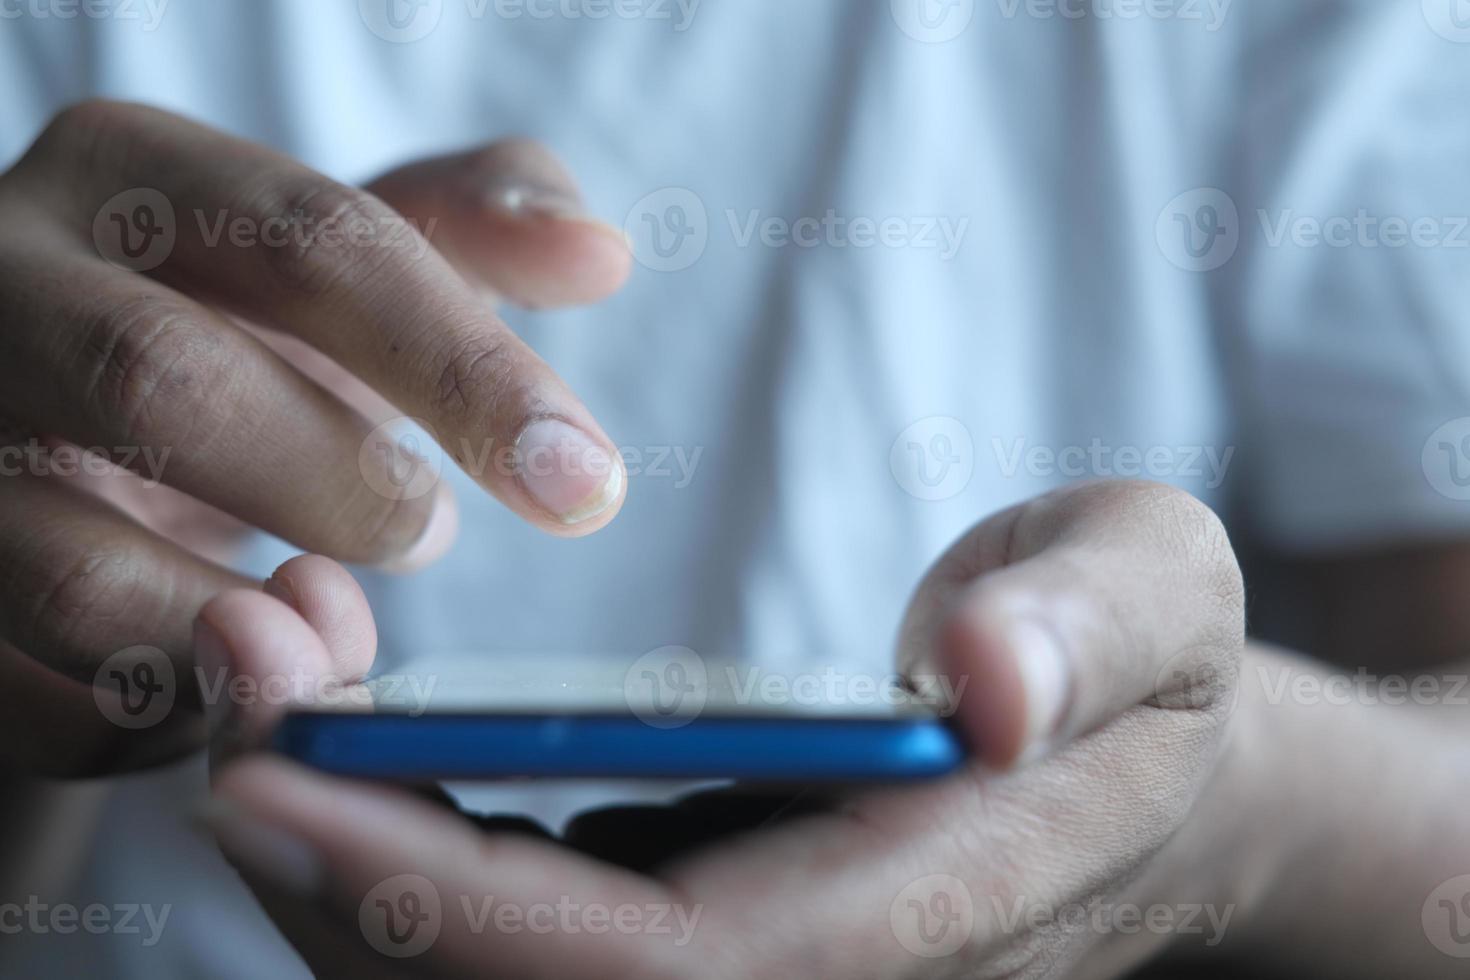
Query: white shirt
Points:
[933, 263]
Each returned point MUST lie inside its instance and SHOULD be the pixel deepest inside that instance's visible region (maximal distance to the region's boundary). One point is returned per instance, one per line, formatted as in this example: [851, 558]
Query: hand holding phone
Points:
[669, 714]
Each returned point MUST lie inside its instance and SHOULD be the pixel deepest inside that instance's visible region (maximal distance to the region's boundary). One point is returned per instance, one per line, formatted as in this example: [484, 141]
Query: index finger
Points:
[269, 238]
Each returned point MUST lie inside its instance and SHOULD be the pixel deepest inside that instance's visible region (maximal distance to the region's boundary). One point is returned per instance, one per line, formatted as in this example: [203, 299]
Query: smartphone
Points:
[668, 714]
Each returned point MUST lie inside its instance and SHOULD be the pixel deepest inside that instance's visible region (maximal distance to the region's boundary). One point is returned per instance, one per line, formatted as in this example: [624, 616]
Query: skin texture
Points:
[262, 371]
[1173, 778]
[1123, 759]
[1128, 747]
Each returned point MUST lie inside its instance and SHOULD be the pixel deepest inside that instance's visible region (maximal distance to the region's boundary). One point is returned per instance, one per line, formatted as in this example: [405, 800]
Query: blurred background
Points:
[899, 264]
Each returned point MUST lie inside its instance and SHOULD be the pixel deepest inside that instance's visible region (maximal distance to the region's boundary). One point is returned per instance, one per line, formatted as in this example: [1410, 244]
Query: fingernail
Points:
[279, 587]
[437, 537]
[276, 857]
[1047, 678]
[212, 671]
[528, 199]
[566, 472]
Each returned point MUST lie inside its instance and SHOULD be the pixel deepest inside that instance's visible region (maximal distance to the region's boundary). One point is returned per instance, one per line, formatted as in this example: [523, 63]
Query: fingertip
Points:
[509, 217]
[597, 257]
[257, 632]
[572, 482]
[332, 603]
[253, 654]
[543, 258]
[601, 509]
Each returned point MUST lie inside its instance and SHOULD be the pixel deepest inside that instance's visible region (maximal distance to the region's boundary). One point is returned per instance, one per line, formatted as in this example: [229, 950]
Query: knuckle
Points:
[89, 133]
[73, 597]
[150, 367]
[476, 379]
[329, 242]
[1210, 552]
[1193, 532]
[1178, 521]
[1171, 530]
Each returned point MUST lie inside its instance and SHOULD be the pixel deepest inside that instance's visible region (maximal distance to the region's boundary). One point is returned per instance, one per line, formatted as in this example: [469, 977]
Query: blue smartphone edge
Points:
[405, 748]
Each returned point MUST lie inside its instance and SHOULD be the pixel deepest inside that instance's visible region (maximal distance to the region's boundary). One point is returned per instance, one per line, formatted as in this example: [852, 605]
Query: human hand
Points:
[1097, 630]
[220, 318]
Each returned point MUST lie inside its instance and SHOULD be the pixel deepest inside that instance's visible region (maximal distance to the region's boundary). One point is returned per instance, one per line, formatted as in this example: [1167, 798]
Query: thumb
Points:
[1062, 613]
[509, 217]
